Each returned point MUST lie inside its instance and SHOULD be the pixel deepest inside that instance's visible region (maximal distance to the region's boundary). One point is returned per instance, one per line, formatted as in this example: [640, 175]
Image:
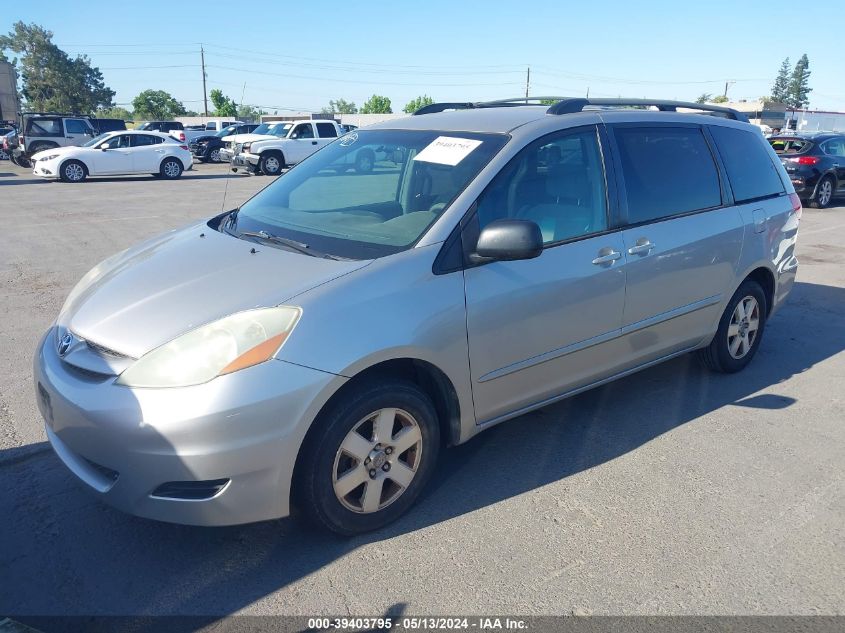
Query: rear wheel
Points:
[72, 171]
[369, 457]
[271, 164]
[171, 168]
[824, 194]
[740, 330]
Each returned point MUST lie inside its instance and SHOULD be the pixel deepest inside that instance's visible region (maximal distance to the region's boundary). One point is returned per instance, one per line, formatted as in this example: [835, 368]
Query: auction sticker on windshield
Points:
[447, 150]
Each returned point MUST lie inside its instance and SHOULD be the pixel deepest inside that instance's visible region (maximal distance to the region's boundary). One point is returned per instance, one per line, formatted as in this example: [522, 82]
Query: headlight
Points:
[247, 146]
[225, 346]
[50, 157]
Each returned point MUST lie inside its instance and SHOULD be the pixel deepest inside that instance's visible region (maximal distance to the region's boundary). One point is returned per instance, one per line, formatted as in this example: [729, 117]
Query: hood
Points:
[53, 150]
[247, 138]
[205, 138]
[152, 293]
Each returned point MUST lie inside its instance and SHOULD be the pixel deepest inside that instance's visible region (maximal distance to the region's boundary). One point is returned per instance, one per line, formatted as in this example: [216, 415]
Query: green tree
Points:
[377, 104]
[720, 99]
[114, 112]
[780, 89]
[799, 85]
[341, 106]
[223, 105]
[156, 105]
[415, 104]
[704, 97]
[248, 112]
[50, 78]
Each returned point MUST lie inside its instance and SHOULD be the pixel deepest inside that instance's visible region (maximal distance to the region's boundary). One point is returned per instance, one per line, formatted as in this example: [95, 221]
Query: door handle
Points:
[607, 257]
[313, 142]
[642, 247]
[836, 164]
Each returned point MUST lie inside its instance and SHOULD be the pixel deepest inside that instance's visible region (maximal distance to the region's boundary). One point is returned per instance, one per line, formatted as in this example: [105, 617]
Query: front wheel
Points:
[214, 156]
[740, 330]
[72, 171]
[824, 194]
[271, 164]
[171, 168]
[368, 458]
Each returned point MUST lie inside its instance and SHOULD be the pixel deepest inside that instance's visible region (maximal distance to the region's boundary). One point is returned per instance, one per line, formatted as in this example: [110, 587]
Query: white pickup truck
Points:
[271, 155]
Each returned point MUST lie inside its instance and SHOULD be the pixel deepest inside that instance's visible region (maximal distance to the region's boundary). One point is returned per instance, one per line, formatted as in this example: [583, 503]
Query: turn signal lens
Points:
[796, 204]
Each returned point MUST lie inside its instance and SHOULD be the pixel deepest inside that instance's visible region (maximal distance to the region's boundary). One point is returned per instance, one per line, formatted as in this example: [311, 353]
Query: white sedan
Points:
[115, 153]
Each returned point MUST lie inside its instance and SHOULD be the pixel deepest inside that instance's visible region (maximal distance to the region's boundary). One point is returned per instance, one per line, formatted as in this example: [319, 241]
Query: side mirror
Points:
[509, 240]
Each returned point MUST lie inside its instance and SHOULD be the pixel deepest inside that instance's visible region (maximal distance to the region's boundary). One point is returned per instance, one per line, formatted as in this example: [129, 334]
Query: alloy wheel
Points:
[825, 192]
[171, 169]
[743, 328]
[214, 156]
[74, 172]
[377, 460]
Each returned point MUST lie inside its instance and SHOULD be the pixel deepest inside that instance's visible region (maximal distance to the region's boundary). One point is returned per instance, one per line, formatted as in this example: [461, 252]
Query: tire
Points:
[213, 156]
[353, 423]
[73, 171]
[271, 163]
[4, 155]
[735, 342]
[365, 160]
[824, 193]
[171, 168]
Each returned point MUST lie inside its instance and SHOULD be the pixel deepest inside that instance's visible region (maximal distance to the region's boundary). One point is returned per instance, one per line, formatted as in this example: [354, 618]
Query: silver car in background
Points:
[320, 344]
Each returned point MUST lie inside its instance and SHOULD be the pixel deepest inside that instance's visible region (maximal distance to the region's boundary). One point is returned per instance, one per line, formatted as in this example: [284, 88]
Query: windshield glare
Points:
[97, 139]
[227, 131]
[370, 193]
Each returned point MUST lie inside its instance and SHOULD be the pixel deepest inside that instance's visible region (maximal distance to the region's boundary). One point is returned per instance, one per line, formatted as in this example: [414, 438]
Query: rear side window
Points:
[44, 127]
[834, 147]
[139, 140]
[326, 130]
[667, 171]
[75, 126]
[750, 168]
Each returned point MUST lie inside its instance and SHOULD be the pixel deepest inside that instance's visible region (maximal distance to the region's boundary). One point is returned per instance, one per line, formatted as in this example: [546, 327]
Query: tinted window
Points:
[557, 183]
[790, 145]
[834, 147]
[667, 171]
[303, 131]
[75, 126]
[44, 127]
[751, 172]
[326, 130]
[140, 140]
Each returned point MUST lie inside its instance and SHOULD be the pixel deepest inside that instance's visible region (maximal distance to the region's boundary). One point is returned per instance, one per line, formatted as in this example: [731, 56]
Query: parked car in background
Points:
[815, 162]
[101, 126]
[7, 130]
[322, 343]
[115, 153]
[160, 126]
[232, 145]
[270, 156]
[210, 127]
[207, 148]
[47, 131]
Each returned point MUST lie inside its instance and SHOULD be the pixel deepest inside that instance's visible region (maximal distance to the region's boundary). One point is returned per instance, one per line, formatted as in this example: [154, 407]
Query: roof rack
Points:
[570, 105]
[66, 114]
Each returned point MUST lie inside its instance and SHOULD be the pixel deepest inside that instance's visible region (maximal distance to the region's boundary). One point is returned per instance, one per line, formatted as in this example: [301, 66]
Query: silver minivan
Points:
[320, 344]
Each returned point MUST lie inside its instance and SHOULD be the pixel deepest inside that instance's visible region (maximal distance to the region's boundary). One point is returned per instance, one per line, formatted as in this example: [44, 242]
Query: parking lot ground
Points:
[671, 491]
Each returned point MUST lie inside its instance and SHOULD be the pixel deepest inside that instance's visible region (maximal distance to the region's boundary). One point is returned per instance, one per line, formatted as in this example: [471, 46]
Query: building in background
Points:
[761, 112]
[9, 104]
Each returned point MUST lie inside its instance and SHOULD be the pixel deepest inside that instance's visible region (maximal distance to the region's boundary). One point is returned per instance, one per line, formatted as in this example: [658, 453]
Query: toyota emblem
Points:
[65, 343]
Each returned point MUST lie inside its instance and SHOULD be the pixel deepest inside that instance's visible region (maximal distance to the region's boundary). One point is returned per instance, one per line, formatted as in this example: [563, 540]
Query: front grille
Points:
[194, 490]
[104, 351]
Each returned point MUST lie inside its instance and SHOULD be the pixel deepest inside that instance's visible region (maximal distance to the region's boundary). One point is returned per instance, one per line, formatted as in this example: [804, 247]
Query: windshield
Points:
[790, 145]
[144, 126]
[277, 129]
[227, 131]
[370, 193]
[97, 139]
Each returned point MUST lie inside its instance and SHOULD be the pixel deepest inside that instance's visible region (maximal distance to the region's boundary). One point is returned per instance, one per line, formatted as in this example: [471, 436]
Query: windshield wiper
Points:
[300, 247]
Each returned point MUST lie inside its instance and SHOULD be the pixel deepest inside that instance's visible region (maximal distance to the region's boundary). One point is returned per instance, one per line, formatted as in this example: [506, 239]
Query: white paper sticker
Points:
[447, 150]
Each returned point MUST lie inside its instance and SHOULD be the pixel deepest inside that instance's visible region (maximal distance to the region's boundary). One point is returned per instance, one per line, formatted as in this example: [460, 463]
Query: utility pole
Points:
[727, 84]
[204, 92]
[527, 83]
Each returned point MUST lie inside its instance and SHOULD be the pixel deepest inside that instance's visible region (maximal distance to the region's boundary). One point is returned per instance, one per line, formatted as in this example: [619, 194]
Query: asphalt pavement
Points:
[672, 491]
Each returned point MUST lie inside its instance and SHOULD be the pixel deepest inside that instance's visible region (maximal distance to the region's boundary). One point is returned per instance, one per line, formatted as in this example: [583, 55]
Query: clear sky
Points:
[300, 55]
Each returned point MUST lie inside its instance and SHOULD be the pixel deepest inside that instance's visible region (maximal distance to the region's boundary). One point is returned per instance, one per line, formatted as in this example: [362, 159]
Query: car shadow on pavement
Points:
[66, 553]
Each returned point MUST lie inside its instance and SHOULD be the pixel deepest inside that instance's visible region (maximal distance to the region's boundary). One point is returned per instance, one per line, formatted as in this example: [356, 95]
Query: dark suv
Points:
[815, 162]
[207, 148]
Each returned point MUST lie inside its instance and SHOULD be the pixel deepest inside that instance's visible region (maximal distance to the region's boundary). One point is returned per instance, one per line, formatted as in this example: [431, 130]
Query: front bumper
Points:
[226, 154]
[244, 428]
[45, 169]
[246, 161]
